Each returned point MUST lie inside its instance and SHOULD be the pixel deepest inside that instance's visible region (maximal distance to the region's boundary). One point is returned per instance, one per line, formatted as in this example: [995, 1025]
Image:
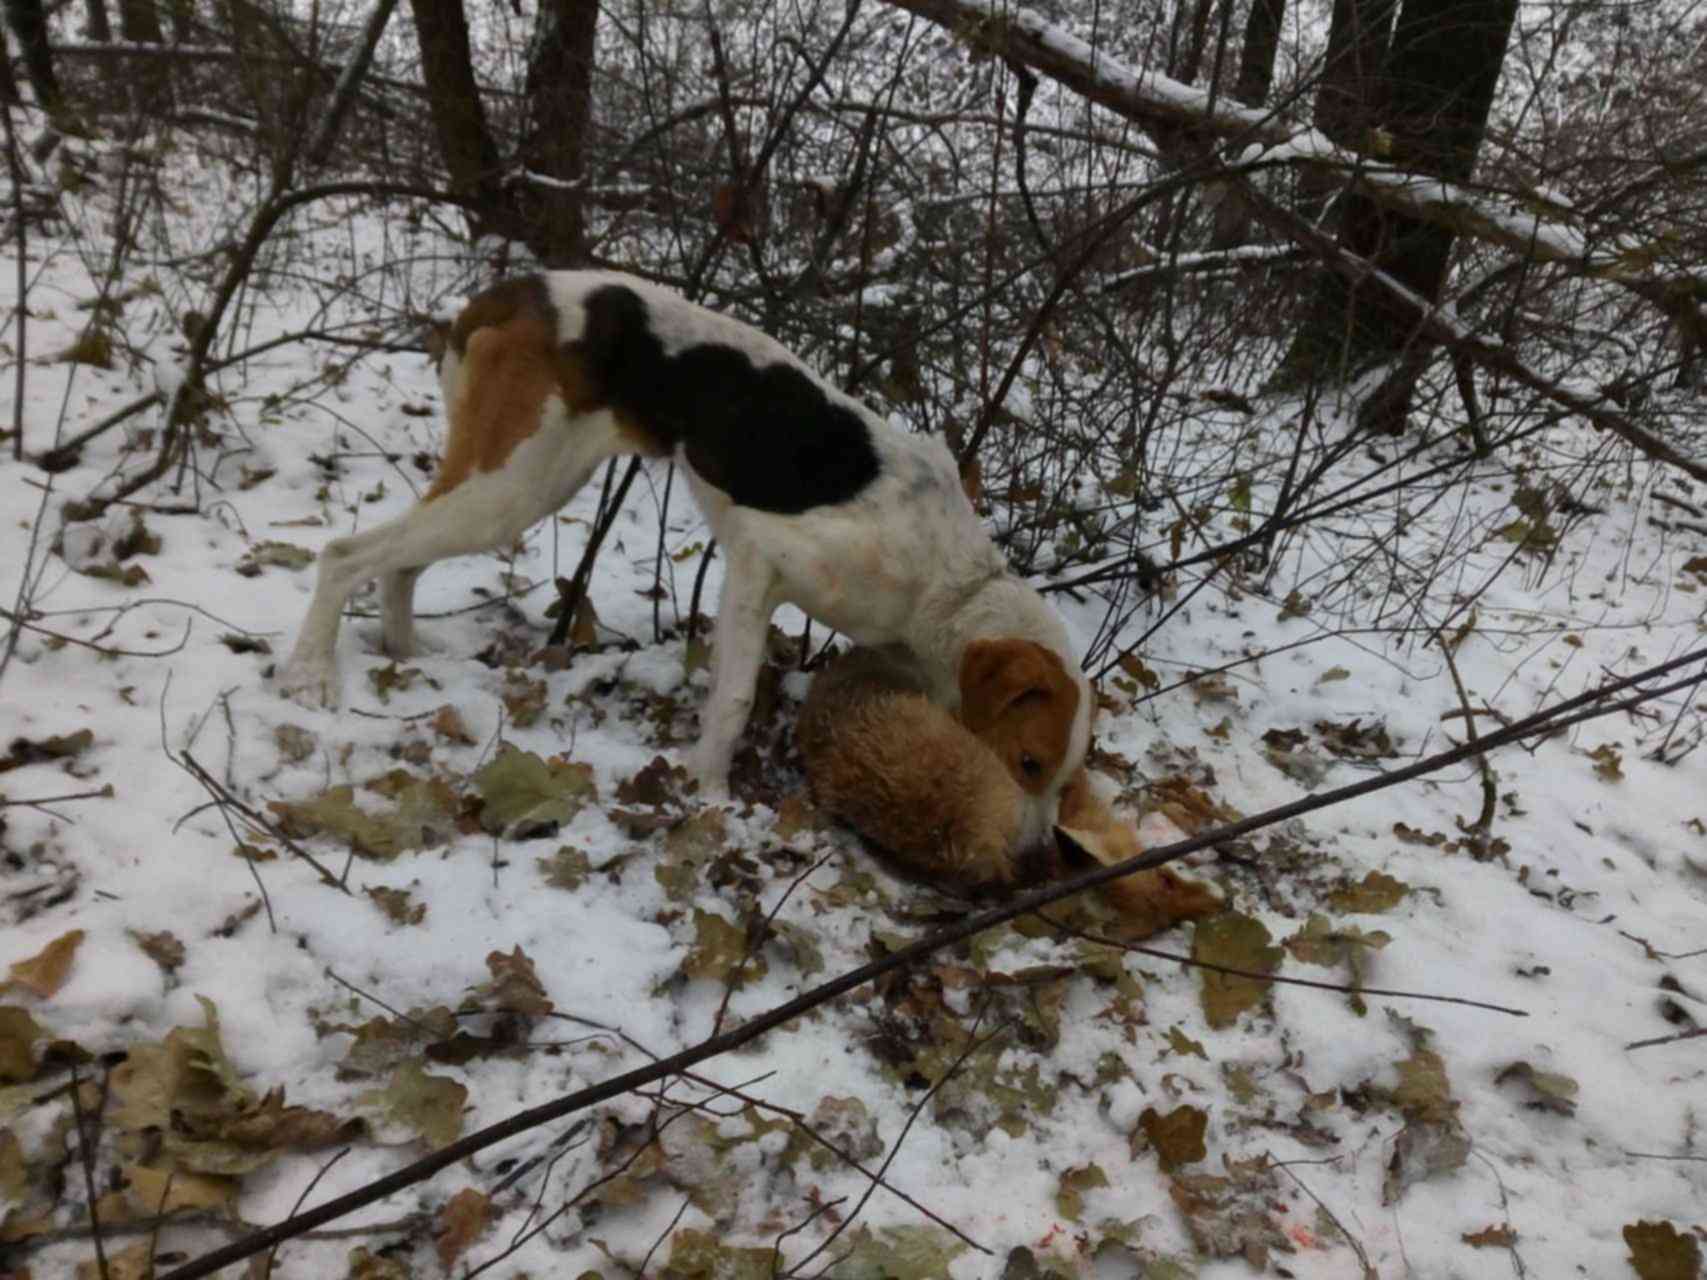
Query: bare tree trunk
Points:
[1255, 78]
[28, 21]
[95, 19]
[555, 145]
[1432, 96]
[148, 78]
[140, 22]
[458, 117]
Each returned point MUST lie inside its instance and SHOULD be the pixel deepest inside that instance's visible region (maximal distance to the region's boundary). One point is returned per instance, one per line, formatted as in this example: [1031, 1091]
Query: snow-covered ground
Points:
[426, 975]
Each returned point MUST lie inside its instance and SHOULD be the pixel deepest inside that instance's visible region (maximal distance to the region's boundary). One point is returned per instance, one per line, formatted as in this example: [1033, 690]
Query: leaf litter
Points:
[1030, 1057]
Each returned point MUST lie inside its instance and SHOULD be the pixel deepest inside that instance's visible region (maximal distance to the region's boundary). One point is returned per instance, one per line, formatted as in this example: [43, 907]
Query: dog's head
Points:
[1031, 710]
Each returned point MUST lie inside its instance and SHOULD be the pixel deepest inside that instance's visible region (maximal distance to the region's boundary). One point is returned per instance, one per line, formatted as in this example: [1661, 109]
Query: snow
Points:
[1601, 898]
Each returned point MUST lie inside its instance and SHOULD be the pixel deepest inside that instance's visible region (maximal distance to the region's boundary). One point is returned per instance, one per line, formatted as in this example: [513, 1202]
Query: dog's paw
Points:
[711, 774]
[310, 684]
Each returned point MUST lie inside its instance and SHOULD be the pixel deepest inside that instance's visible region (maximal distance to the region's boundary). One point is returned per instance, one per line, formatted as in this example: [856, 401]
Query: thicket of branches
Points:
[1016, 228]
[1091, 249]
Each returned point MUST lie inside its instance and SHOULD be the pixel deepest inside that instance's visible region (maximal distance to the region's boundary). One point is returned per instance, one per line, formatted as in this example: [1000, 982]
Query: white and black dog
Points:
[816, 501]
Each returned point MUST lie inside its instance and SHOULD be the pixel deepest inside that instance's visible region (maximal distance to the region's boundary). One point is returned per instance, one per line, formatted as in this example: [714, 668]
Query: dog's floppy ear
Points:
[1017, 696]
[995, 674]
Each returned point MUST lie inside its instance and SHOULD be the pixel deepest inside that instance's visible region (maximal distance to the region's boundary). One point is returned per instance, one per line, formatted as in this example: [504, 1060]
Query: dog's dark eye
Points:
[1031, 765]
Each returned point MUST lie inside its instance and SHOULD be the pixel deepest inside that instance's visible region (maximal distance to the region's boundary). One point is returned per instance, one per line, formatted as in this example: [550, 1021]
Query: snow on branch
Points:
[1531, 226]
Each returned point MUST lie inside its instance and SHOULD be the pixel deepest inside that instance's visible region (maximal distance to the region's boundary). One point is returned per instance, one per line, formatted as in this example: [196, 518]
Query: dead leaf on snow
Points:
[1354, 740]
[1321, 943]
[394, 678]
[568, 868]
[133, 1263]
[398, 905]
[461, 1220]
[18, 1035]
[295, 744]
[1433, 1140]
[274, 554]
[1375, 893]
[44, 973]
[909, 1252]
[1238, 942]
[1658, 1251]
[422, 812]
[1182, 1044]
[1491, 1237]
[515, 986]
[524, 698]
[1549, 1090]
[720, 952]
[426, 1106]
[12, 1171]
[150, 1192]
[447, 723]
[527, 796]
[367, 1265]
[1070, 1192]
[1232, 1216]
[1608, 763]
[163, 948]
[62, 746]
[1177, 1136]
[702, 1255]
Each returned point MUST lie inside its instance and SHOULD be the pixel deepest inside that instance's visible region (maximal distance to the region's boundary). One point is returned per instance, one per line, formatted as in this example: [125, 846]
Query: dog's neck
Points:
[1000, 605]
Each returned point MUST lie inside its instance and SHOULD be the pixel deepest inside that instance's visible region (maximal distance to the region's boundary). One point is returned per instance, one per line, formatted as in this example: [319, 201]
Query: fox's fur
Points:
[911, 778]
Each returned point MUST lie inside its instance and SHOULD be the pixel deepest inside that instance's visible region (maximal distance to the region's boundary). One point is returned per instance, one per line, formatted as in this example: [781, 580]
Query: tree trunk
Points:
[139, 22]
[459, 120]
[555, 144]
[1255, 78]
[95, 21]
[29, 24]
[1432, 96]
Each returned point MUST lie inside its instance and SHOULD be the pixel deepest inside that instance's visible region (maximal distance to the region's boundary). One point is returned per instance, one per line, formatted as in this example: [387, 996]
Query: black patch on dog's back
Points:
[767, 435]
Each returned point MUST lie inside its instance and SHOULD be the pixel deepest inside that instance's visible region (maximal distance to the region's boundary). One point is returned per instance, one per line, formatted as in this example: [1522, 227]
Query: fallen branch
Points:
[1600, 701]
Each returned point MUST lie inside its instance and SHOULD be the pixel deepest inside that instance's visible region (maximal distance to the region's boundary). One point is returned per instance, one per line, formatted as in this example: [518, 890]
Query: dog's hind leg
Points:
[397, 610]
[486, 511]
[738, 648]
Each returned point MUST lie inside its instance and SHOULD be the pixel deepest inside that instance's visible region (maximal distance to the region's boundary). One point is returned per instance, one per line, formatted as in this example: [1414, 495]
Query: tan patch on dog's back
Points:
[510, 363]
[1019, 699]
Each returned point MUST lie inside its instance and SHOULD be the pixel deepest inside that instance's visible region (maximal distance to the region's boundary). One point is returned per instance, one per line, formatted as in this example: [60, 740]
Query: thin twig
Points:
[86, 1157]
[224, 798]
[1369, 1272]
[1694, 1034]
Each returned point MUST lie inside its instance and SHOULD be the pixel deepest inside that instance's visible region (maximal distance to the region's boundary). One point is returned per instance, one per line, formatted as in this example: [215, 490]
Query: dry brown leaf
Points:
[12, 1170]
[163, 948]
[515, 987]
[461, 1221]
[45, 973]
[1176, 1136]
[156, 1191]
[1491, 1237]
[18, 1032]
[1659, 1251]
[134, 1263]
[448, 723]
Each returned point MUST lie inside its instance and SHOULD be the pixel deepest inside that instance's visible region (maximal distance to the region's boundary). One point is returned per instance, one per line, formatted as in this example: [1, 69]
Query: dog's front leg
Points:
[738, 646]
